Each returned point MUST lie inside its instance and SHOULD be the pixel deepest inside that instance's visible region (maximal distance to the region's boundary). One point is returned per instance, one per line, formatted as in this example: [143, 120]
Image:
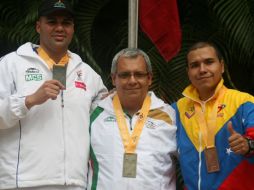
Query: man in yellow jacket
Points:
[215, 126]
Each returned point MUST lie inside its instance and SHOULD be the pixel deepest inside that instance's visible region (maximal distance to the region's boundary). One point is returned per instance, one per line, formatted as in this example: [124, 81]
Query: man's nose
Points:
[202, 68]
[59, 26]
[132, 78]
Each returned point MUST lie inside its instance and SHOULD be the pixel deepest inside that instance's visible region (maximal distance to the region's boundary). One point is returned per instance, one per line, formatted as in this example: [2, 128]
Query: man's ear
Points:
[150, 78]
[38, 27]
[113, 78]
[222, 65]
[187, 71]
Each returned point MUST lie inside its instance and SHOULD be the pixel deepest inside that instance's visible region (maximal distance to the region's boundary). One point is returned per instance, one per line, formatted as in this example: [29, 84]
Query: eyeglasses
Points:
[136, 75]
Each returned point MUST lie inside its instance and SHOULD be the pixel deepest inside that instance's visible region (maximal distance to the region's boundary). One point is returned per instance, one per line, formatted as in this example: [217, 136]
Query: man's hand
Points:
[48, 90]
[237, 142]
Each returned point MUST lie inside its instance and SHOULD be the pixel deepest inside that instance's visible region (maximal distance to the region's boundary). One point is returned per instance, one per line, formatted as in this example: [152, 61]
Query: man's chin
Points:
[61, 45]
[132, 95]
[132, 92]
[206, 87]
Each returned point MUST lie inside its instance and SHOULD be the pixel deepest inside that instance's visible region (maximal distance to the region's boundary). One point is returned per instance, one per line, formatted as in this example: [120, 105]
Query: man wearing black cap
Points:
[46, 93]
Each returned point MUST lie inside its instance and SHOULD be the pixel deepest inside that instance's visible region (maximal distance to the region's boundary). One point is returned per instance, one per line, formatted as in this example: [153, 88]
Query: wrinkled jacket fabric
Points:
[156, 146]
[48, 144]
[234, 106]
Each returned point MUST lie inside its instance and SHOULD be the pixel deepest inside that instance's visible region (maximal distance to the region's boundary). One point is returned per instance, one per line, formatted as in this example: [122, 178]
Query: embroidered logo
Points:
[190, 112]
[79, 83]
[59, 4]
[33, 74]
[151, 125]
[110, 119]
[220, 108]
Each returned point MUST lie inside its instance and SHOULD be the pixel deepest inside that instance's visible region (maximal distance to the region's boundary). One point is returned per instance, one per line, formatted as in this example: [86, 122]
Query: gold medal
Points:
[212, 161]
[208, 128]
[130, 165]
[130, 141]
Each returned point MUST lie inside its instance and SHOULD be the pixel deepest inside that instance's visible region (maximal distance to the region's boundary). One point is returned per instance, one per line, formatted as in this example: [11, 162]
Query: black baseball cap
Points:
[49, 6]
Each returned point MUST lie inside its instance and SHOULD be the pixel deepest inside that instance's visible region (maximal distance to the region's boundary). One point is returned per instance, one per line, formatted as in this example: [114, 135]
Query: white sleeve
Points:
[12, 105]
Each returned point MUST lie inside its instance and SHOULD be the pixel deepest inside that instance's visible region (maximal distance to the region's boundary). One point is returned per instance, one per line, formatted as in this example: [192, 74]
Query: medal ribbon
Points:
[208, 127]
[64, 60]
[130, 142]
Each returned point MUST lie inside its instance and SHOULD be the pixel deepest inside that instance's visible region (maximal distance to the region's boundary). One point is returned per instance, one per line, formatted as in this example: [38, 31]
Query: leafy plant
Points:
[102, 30]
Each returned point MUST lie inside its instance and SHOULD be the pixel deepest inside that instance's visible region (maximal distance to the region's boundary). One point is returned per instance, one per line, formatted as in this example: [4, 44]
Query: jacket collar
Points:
[107, 102]
[28, 50]
[192, 93]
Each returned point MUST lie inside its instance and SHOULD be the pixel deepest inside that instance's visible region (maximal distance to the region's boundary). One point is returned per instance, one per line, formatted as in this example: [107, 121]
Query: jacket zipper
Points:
[64, 145]
[202, 104]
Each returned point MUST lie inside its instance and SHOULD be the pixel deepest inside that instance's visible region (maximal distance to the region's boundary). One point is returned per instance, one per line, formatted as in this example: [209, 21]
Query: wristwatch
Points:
[251, 145]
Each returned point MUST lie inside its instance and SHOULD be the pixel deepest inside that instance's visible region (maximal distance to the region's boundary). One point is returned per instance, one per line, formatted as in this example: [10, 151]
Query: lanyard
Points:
[130, 142]
[208, 127]
[64, 60]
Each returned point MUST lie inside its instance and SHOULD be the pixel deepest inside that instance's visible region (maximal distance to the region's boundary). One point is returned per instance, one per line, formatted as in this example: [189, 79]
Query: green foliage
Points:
[17, 22]
[102, 30]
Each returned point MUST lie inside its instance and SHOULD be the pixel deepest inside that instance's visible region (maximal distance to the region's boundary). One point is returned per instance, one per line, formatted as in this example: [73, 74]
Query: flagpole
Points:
[133, 24]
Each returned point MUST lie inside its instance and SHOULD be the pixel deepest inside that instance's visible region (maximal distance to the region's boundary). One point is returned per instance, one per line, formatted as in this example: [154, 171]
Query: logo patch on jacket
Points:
[220, 109]
[151, 125]
[190, 112]
[110, 119]
[33, 74]
[79, 82]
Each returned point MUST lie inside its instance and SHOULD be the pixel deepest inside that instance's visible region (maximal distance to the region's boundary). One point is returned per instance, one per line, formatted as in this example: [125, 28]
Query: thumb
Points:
[230, 128]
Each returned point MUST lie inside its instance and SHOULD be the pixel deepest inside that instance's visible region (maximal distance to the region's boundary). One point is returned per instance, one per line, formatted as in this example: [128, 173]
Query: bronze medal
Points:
[130, 165]
[212, 161]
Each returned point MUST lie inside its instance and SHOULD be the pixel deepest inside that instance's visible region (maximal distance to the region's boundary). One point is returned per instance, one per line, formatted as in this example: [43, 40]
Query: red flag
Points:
[159, 19]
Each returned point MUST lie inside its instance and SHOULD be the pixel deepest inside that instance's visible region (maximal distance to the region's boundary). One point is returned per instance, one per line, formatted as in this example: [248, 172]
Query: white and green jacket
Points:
[157, 144]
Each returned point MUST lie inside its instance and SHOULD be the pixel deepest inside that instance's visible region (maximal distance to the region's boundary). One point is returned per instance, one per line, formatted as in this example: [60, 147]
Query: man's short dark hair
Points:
[203, 44]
